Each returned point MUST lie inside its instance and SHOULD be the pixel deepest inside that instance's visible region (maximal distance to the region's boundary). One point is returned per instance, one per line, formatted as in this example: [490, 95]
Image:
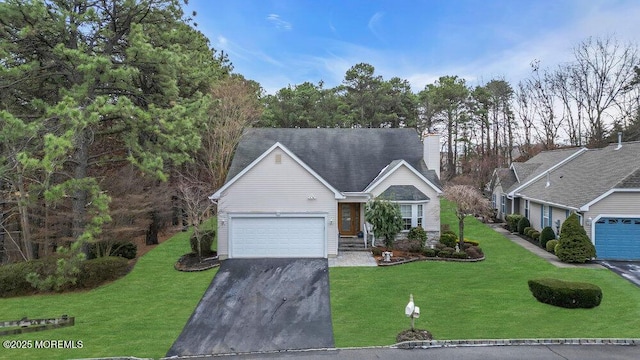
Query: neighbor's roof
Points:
[404, 193]
[539, 164]
[349, 159]
[589, 175]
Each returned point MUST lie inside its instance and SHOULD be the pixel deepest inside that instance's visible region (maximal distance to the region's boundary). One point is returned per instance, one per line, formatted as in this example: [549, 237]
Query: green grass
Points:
[143, 313]
[484, 300]
[139, 315]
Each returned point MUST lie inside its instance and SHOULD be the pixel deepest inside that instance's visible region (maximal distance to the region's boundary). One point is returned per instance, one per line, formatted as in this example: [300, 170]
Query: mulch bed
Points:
[414, 335]
[192, 262]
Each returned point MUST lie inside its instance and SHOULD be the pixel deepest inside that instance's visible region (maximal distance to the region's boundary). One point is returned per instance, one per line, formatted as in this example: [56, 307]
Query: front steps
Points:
[352, 244]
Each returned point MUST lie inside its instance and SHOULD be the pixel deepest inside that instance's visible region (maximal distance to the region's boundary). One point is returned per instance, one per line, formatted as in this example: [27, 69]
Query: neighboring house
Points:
[602, 186]
[296, 192]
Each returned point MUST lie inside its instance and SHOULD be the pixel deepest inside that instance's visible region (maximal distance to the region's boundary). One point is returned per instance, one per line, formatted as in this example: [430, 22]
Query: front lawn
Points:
[139, 315]
[143, 313]
[484, 300]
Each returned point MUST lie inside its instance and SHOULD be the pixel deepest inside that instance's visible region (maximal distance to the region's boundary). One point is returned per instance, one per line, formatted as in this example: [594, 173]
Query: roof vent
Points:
[619, 140]
[548, 180]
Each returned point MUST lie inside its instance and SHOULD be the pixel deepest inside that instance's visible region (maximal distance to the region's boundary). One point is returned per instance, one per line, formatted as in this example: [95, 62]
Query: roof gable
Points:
[393, 167]
[586, 177]
[348, 159]
[277, 145]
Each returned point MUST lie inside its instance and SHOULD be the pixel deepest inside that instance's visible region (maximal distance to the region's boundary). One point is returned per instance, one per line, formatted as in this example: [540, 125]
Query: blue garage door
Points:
[618, 238]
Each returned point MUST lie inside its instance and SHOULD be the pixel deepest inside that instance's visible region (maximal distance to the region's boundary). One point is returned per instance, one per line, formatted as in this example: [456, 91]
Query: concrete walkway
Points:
[353, 258]
[551, 258]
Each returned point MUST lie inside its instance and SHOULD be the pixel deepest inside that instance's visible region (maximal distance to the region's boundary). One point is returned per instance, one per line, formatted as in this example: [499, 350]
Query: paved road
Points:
[520, 352]
[261, 305]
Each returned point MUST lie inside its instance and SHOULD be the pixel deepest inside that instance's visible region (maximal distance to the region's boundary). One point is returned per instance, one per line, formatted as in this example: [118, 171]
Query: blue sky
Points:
[287, 42]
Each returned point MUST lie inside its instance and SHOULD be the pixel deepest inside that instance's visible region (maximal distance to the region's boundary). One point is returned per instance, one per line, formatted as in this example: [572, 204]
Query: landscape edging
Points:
[426, 344]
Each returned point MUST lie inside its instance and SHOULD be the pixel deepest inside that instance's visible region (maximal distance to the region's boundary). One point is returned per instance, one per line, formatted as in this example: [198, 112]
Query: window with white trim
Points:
[526, 209]
[503, 204]
[412, 216]
[406, 212]
[493, 201]
[545, 216]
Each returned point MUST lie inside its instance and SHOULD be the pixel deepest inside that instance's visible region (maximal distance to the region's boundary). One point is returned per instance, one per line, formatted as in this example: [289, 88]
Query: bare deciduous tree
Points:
[469, 201]
[236, 106]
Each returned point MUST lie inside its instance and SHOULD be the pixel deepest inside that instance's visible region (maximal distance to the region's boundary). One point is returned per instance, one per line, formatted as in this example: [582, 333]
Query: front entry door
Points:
[349, 218]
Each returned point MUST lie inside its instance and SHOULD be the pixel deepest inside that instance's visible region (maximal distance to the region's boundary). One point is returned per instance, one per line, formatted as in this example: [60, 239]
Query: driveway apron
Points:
[629, 270]
[261, 305]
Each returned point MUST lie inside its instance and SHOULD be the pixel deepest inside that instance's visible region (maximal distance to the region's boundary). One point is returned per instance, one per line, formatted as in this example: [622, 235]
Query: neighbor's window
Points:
[503, 204]
[545, 216]
[526, 209]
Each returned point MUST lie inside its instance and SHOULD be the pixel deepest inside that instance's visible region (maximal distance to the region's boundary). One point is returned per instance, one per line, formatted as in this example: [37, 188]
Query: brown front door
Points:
[349, 218]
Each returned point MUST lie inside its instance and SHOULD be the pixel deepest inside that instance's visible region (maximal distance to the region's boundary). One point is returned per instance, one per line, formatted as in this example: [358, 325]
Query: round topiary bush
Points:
[545, 235]
[551, 246]
[566, 294]
[535, 235]
[449, 239]
[522, 224]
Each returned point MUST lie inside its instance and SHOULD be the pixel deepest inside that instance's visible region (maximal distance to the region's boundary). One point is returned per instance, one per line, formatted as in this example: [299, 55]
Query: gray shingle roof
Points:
[349, 159]
[589, 175]
[404, 193]
[540, 163]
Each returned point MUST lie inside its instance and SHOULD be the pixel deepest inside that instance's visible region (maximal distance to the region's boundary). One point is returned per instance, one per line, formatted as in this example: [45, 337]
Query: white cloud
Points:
[279, 23]
[374, 24]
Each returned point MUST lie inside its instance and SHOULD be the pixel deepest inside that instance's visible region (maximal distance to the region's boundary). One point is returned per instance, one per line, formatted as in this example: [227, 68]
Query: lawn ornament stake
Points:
[412, 311]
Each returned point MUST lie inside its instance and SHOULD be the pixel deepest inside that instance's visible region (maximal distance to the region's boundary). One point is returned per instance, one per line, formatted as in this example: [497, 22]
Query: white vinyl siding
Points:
[270, 187]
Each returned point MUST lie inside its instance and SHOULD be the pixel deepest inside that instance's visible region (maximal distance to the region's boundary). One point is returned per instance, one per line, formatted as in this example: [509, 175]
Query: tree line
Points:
[105, 106]
[116, 116]
[584, 102]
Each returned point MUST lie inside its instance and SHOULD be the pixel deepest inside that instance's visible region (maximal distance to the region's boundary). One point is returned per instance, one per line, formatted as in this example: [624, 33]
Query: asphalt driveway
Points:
[629, 270]
[261, 305]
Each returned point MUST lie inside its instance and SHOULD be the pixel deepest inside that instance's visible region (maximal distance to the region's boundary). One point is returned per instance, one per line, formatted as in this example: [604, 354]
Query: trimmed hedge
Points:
[545, 235]
[566, 294]
[94, 272]
[551, 246]
[523, 224]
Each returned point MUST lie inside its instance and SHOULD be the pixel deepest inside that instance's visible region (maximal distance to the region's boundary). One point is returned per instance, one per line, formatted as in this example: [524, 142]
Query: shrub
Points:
[386, 218]
[417, 233]
[13, 277]
[459, 255]
[529, 231]
[551, 246]
[429, 252]
[98, 271]
[127, 250]
[446, 252]
[94, 272]
[376, 251]
[449, 239]
[512, 221]
[574, 245]
[546, 235]
[440, 246]
[471, 242]
[535, 235]
[522, 224]
[474, 252]
[566, 294]
[206, 242]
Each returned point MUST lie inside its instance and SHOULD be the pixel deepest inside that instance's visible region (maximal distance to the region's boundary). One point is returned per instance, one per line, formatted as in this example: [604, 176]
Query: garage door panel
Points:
[618, 238]
[253, 237]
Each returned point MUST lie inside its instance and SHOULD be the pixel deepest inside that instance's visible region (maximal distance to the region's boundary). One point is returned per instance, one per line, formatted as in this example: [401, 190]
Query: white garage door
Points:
[282, 236]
